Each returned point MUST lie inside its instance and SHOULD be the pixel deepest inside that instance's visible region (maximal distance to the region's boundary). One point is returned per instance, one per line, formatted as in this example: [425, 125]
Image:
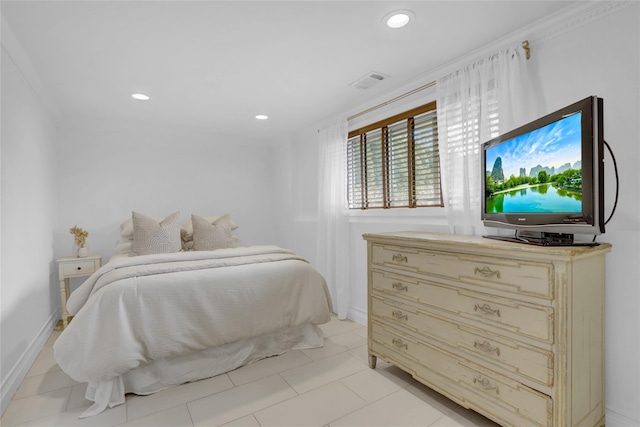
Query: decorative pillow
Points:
[151, 236]
[126, 228]
[186, 230]
[212, 235]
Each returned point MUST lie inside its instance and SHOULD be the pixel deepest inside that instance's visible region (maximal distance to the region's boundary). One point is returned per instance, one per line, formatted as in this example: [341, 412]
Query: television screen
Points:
[539, 171]
[546, 179]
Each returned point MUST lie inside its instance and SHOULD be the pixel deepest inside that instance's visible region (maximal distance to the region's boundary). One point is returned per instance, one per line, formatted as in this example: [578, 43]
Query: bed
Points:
[155, 320]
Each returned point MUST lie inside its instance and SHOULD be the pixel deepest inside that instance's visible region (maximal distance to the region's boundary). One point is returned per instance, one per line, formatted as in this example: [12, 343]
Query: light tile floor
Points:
[325, 387]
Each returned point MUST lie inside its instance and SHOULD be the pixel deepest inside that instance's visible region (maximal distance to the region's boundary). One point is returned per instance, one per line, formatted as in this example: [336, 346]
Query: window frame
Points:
[383, 126]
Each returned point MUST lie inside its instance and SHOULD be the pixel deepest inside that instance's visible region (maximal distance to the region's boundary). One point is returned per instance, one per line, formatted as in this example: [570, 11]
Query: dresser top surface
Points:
[444, 241]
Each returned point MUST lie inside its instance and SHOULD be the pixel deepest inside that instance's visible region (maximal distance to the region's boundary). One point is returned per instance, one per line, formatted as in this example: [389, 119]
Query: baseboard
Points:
[357, 315]
[19, 371]
[614, 418]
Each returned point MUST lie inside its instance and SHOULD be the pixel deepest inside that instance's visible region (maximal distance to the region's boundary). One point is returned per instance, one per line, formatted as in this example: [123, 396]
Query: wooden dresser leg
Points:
[372, 361]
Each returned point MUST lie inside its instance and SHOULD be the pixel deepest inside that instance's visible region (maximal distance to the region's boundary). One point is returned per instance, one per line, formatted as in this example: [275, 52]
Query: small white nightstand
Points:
[69, 267]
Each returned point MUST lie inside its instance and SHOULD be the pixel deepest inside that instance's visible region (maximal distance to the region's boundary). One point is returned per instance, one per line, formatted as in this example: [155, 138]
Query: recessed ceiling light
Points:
[262, 117]
[398, 18]
[140, 96]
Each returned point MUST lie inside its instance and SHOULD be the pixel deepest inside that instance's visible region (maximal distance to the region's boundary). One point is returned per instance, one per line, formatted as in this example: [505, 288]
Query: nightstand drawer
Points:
[81, 267]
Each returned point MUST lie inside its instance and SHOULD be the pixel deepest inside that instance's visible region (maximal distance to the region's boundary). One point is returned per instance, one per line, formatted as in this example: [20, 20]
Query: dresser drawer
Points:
[466, 381]
[409, 259]
[530, 320]
[500, 353]
[395, 284]
[81, 267]
[516, 276]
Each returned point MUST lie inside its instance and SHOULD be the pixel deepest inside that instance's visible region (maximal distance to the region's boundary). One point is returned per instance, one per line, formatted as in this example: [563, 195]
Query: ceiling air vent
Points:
[368, 80]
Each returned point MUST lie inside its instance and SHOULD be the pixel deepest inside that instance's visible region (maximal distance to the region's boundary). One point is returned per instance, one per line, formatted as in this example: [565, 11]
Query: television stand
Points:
[541, 238]
[515, 332]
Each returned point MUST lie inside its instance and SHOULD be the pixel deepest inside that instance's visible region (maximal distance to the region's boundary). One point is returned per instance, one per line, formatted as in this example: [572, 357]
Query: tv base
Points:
[541, 238]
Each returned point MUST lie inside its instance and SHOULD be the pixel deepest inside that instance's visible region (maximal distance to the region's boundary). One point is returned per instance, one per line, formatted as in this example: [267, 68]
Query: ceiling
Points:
[213, 65]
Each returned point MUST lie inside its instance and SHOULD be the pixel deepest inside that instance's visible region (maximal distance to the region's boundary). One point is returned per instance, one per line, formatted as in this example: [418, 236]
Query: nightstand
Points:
[69, 267]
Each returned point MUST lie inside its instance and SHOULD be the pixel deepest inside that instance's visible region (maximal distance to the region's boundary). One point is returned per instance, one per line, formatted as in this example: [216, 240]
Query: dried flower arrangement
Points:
[80, 236]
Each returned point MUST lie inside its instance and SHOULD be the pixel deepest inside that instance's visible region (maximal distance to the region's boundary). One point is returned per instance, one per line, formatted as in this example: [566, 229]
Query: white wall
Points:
[602, 58]
[30, 301]
[588, 54]
[106, 171]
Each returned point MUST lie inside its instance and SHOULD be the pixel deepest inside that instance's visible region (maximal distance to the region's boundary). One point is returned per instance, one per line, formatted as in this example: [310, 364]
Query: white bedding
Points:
[137, 314]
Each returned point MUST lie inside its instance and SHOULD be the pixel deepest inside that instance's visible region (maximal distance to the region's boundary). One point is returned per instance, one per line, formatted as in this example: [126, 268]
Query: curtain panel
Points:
[333, 220]
[476, 104]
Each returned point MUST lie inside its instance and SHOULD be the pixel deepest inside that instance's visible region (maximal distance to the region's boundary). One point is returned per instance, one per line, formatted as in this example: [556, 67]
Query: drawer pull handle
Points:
[399, 258]
[79, 268]
[399, 315]
[399, 343]
[399, 286]
[486, 347]
[485, 384]
[487, 272]
[486, 309]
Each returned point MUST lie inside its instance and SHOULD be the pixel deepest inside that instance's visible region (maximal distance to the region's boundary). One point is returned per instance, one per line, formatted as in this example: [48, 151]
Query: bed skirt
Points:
[164, 373]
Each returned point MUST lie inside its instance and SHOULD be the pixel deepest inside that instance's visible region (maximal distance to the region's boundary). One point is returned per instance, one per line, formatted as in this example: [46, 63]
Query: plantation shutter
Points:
[427, 160]
[398, 165]
[373, 170]
[395, 163]
[355, 172]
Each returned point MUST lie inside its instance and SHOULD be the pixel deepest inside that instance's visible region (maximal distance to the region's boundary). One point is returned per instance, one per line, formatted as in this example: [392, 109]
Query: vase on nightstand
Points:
[80, 251]
[83, 251]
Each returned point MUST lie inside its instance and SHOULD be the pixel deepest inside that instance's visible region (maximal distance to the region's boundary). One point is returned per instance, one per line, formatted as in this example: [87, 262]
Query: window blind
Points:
[395, 163]
[427, 161]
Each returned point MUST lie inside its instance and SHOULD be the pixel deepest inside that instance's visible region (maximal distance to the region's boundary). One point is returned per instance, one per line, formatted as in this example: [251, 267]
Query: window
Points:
[394, 163]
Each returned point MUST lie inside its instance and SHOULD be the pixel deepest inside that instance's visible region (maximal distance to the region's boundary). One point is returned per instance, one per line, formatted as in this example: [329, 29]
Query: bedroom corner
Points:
[30, 304]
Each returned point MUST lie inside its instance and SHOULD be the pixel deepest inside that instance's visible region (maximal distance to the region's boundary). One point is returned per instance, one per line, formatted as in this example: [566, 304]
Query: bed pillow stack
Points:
[188, 231]
[145, 235]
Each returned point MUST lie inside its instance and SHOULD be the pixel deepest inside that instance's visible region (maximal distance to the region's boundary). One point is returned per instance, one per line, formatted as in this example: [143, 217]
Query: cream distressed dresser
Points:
[513, 331]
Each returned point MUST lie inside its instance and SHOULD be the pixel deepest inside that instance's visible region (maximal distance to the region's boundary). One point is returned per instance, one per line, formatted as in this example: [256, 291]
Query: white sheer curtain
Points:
[475, 104]
[333, 221]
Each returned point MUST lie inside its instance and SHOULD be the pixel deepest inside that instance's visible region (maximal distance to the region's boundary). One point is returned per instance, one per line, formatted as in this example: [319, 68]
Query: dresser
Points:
[512, 331]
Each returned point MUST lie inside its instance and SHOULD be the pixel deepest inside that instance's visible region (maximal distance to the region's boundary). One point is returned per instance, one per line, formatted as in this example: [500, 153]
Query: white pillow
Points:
[212, 235]
[124, 246]
[151, 236]
[126, 229]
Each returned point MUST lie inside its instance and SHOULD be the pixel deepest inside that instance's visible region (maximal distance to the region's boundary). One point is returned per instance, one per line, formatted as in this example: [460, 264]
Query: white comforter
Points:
[137, 310]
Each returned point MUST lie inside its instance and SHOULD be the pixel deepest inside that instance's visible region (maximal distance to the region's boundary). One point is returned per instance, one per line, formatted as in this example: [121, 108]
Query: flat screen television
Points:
[545, 180]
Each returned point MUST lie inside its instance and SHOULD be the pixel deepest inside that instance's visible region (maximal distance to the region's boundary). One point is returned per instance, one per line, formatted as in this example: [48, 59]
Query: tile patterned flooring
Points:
[326, 387]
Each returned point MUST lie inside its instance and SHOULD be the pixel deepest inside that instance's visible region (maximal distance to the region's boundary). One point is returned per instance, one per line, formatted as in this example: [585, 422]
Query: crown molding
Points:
[574, 17]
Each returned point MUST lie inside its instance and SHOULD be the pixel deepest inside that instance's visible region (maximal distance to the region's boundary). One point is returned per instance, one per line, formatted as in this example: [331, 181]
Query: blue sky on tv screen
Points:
[554, 145]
